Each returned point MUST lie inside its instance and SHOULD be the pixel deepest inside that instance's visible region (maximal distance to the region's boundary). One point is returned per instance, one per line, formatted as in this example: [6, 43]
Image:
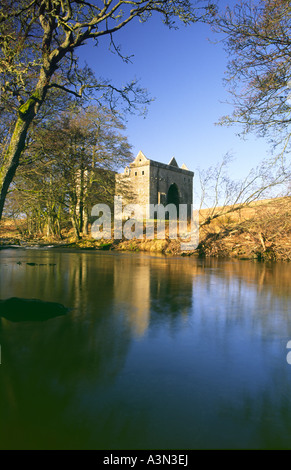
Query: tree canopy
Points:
[69, 165]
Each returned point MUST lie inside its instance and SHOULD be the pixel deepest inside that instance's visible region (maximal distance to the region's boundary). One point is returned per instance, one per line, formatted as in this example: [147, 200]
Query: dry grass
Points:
[262, 230]
[9, 231]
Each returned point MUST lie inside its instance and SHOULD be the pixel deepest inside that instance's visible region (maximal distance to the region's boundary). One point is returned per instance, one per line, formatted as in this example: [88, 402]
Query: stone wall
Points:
[149, 182]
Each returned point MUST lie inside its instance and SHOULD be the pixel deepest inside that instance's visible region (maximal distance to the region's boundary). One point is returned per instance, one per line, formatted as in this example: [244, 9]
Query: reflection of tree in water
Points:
[171, 291]
[254, 295]
[273, 276]
[49, 369]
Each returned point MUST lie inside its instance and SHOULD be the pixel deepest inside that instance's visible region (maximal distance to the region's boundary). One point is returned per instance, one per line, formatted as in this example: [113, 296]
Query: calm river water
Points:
[154, 353]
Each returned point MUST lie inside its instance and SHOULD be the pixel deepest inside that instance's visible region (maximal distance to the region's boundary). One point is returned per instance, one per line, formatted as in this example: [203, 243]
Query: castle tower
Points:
[146, 181]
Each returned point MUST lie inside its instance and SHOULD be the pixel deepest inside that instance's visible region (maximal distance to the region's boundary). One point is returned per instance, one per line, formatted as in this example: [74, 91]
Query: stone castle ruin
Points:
[146, 181]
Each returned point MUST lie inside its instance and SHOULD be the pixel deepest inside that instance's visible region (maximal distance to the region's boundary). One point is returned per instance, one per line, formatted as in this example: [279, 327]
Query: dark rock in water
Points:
[17, 309]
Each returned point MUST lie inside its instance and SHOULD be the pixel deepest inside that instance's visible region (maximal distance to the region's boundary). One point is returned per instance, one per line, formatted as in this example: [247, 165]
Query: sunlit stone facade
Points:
[146, 181]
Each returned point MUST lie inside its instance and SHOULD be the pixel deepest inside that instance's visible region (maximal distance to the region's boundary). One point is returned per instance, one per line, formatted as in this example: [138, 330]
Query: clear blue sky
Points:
[184, 72]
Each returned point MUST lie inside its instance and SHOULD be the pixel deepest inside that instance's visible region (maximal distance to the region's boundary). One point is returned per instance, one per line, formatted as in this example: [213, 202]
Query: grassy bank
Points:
[261, 231]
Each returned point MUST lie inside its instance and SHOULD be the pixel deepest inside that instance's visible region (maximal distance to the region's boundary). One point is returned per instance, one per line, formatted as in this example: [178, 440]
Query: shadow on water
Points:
[16, 309]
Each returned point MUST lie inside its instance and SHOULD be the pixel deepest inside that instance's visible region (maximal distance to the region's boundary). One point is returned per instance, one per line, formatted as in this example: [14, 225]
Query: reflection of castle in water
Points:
[132, 292]
[150, 288]
[147, 287]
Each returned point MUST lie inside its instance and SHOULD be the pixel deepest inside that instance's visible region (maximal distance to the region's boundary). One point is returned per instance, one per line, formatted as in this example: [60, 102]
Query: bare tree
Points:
[220, 195]
[257, 39]
[39, 40]
[69, 166]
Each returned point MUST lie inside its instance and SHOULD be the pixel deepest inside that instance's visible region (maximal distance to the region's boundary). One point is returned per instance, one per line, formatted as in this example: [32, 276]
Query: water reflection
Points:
[147, 285]
[132, 284]
[155, 352]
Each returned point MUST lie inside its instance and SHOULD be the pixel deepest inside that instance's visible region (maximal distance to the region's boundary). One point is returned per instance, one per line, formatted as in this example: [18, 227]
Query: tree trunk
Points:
[11, 159]
[75, 225]
[26, 114]
[85, 222]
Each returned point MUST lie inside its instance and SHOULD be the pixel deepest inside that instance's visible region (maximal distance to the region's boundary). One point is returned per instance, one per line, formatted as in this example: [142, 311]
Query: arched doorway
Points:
[173, 196]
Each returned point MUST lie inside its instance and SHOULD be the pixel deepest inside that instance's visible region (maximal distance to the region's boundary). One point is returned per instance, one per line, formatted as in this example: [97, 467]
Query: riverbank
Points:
[214, 245]
[221, 245]
[261, 231]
